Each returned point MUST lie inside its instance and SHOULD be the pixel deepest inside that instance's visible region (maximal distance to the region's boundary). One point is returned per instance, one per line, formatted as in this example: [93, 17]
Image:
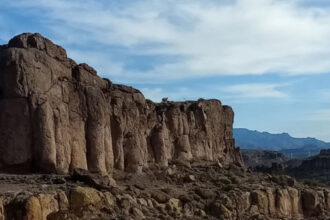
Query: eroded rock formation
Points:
[56, 115]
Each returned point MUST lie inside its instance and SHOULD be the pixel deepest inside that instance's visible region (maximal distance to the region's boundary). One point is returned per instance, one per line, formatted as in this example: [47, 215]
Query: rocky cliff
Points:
[262, 158]
[317, 163]
[56, 115]
[314, 170]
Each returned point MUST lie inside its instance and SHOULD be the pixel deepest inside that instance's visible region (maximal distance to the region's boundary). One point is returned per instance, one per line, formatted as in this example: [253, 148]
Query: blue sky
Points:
[268, 59]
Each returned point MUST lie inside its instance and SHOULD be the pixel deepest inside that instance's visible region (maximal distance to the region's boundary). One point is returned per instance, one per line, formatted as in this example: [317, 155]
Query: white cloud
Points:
[211, 38]
[255, 90]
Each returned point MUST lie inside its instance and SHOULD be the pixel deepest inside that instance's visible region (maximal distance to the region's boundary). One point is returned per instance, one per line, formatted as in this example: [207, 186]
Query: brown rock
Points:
[219, 210]
[190, 178]
[63, 202]
[109, 199]
[48, 205]
[160, 197]
[84, 196]
[57, 116]
[175, 205]
[310, 201]
[260, 199]
[137, 213]
[33, 209]
[296, 206]
[283, 202]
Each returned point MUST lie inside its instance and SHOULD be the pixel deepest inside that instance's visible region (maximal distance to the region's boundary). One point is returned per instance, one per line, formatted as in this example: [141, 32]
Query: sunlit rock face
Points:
[56, 115]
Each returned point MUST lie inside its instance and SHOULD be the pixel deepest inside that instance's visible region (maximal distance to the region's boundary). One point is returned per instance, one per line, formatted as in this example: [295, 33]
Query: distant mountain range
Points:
[290, 146]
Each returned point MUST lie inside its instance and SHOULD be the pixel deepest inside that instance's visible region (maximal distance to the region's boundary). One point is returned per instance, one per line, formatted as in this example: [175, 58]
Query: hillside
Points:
[290, 146]
[255, 158]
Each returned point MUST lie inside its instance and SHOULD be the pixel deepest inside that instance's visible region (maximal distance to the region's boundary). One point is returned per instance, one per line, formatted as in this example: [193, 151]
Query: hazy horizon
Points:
[269, 60]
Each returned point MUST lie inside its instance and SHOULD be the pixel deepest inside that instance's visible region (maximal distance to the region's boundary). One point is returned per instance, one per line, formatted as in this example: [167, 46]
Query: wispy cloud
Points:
[255, 90]
[208, 37]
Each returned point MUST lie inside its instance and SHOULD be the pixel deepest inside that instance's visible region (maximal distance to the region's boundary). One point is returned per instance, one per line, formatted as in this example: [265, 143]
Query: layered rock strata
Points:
[56, 115]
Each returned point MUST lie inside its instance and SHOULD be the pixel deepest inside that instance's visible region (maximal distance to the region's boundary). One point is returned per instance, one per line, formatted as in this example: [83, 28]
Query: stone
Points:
[219, 210]
[95, 180]
[225, 213]
[296, 206]
[260, 199]
[84, 196]
[160, 197]
[201, 213]
[142, 202]
[190, 178]
[137, 213]
[204, 193]
[283, 202]
[310, 201]
[63, 201]
[225, 180]
[110, 199]
[170, 171]
[33, 209]
[174, 205]
[48, 204]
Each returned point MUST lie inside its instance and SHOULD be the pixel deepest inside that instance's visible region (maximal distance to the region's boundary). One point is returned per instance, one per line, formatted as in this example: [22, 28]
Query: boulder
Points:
[81, 197]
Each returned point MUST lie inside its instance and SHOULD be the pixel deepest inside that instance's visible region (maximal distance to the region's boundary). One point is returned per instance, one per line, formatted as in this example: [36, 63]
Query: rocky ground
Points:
[200, 190]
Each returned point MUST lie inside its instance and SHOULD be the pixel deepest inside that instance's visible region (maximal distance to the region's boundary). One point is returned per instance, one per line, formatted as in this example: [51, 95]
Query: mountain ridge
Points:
[284, 142]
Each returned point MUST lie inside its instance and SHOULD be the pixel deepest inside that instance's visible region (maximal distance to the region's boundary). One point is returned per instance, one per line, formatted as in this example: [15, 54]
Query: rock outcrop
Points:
[314, 170]
[262, 158]
[56, 116]
[318, 163]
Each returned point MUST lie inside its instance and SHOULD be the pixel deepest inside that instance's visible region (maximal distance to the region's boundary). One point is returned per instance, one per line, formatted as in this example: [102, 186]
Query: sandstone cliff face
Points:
[56, 116]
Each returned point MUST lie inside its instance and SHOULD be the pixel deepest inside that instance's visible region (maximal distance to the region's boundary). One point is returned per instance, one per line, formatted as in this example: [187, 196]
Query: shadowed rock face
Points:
[56, 116]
